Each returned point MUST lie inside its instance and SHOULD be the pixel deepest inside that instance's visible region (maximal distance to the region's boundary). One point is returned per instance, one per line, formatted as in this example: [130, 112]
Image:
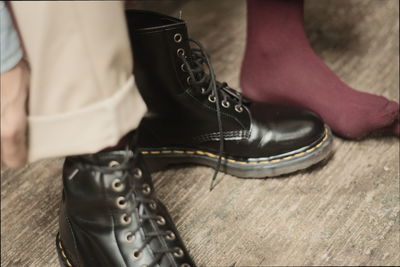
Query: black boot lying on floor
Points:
[189, 111]
[110, 218]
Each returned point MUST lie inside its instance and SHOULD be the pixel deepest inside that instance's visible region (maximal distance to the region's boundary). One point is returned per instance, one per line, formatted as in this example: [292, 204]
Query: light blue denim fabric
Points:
[10, 48]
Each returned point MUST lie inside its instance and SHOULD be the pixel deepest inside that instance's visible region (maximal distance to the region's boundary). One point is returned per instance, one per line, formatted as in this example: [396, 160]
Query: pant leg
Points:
[83, 96]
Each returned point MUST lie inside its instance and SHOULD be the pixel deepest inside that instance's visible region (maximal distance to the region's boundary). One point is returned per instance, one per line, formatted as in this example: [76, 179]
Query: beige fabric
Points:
[83, 96]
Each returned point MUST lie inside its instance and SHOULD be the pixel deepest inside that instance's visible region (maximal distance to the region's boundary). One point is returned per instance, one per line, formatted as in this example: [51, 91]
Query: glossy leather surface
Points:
[181, 116]
[91, 229]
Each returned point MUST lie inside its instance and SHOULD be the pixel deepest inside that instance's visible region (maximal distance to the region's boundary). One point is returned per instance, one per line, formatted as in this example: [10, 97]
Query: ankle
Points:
[275, 28]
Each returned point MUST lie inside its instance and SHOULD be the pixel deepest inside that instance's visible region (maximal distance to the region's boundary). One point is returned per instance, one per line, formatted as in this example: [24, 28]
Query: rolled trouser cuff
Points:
[88, 129]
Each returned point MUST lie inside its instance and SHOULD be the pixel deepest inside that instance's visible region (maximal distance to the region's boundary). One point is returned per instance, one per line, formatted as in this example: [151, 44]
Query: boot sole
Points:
[62, 256]
[159, 159]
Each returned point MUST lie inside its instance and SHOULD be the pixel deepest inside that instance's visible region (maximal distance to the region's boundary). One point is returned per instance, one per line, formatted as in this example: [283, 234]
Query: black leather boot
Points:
[189, 111]
[110, 218]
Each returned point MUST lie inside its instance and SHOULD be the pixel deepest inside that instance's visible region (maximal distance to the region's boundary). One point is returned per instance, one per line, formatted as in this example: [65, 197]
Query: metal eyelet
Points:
[146, 189]
[121, 203]
[238, 108]
[178, 252]
[203, 91]
[125, 219]
[189, 80]
[170, 236]
[212, 98]
[225, 104]
[113, 163]
[153, 205]
[136, 254]
[185, 265]
[183, 68]
[137, 173]
[117, 185]
[180, 52]
[160, 220]
[129, 237]
[178, 38]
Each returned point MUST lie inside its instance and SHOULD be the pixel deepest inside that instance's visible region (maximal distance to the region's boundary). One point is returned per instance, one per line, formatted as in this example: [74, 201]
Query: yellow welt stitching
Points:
[211, 155]
[275, 160]
[63, 254]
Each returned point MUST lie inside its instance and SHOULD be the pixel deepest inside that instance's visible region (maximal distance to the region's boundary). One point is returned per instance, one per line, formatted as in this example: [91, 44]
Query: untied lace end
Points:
[213, 85]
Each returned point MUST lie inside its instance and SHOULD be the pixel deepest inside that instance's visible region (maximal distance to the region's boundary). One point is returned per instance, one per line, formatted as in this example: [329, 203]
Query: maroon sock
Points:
[280, 67]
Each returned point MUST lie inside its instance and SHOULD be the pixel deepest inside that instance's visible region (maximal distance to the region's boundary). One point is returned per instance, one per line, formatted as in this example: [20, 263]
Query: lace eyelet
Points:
[146, 189]
[137, 173]
[238, 108]
[121, 203]
[189, 80]
[117, 185]
[153, 205]
[160, 220]
[180, 52]
[178, 38]
[178, 252]
[113, 164]
[225, 104]
[203, 91]
[125, 219]
[170, 236]
[212, 98]
[185, 265]
[183, 68]
[136, 254]
[129, 237]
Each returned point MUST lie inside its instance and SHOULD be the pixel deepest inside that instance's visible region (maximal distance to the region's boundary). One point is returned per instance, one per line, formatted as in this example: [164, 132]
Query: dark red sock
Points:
[280, 67]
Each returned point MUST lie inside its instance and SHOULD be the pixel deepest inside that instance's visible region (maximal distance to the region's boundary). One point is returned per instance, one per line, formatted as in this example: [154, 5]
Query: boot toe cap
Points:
[286, 129]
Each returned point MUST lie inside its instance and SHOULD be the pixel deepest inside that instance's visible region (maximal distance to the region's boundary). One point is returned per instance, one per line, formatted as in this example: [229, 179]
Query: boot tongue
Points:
[235, 94]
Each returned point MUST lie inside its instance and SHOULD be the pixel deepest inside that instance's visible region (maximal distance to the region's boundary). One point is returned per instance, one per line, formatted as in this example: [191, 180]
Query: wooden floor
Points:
[345, 212]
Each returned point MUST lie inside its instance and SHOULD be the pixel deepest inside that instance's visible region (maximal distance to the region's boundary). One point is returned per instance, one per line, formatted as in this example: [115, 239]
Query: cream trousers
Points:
[83, 96]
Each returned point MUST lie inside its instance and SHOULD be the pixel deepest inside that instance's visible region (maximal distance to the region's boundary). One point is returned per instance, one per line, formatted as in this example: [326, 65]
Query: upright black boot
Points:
[189, 111]
[110, 218]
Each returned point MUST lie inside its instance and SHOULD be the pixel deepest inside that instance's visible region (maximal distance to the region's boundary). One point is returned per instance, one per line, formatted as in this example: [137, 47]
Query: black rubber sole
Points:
[159, 159]
[62, 257]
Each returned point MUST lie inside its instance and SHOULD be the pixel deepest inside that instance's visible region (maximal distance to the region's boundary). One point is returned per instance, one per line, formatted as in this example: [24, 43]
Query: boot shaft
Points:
[110, 217]
[157, 42]
[93, 185]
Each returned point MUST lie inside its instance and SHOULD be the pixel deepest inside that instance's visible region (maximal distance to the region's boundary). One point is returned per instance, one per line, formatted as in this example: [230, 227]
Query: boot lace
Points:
[205, 81]
[142, 204]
